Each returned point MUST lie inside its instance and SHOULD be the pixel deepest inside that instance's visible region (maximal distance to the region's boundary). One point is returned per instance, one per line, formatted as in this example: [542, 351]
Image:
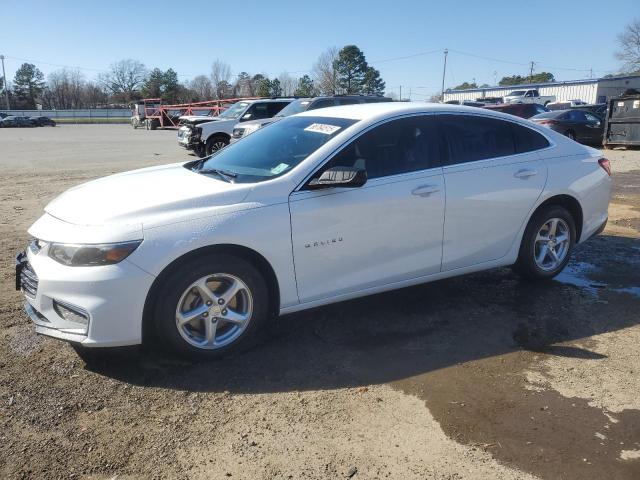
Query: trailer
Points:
[152, 114]
[622, 125]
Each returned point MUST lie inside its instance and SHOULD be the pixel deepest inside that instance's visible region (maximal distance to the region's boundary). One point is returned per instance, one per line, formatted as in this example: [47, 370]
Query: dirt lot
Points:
[479, 377]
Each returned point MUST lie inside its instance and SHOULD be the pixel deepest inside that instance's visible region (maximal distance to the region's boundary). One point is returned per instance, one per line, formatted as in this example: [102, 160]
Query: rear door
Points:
[493, 177]
[351, 239]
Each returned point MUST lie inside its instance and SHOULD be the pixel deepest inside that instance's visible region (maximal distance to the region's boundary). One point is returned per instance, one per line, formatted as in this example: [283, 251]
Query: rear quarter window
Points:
[527, 139]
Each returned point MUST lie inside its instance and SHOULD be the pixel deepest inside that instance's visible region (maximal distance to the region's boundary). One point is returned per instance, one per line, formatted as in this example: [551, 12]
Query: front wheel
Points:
[216, 143]
[211, 307]
[547, 243]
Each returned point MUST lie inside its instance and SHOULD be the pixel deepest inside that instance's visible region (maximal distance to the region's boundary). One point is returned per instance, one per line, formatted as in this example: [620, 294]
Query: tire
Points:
[215, 143]
[532, 247]
[154, 124]
[183, 295]
[570, 135]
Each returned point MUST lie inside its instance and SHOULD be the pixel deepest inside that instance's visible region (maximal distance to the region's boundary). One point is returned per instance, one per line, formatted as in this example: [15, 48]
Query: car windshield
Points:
[517, 93]
[273, 151]
[294, 107]
[234, 111]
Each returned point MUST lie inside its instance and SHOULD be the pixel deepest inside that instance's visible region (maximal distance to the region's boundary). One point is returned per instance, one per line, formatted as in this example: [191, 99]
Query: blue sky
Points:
[566, 37]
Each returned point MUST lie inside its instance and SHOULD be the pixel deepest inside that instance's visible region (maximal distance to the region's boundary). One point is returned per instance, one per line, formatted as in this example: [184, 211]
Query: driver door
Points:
[389, 230]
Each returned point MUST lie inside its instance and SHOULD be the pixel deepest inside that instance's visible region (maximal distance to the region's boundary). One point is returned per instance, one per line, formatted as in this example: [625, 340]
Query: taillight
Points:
[606, 165]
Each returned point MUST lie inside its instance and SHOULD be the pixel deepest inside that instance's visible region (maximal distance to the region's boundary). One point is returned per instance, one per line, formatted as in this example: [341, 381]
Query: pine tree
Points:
[373, 83]
[28, 85]
[305, 87]
[351, 66]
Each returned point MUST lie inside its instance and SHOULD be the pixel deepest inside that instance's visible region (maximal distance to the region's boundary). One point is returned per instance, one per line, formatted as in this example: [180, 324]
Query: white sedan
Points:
[318, 208]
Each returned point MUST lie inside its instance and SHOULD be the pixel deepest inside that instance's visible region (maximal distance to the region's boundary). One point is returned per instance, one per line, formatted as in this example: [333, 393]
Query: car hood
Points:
[192, 118]
[147, 196]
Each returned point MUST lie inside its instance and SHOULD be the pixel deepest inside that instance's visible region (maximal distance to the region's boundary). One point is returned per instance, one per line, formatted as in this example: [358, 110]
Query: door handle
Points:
[525, 173]
[425, 190]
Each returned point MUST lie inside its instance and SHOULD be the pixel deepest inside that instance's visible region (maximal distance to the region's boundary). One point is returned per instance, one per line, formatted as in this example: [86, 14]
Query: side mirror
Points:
[339, 177]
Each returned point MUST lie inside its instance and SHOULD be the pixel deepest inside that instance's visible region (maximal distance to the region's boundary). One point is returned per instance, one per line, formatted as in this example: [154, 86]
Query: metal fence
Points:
[80, 116]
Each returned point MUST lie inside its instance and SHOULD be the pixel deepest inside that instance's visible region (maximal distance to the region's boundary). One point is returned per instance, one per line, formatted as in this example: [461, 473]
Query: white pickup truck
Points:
[529, 96]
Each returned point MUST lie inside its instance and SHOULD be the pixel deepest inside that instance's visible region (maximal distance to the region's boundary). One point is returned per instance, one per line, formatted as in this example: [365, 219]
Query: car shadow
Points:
[400, 334]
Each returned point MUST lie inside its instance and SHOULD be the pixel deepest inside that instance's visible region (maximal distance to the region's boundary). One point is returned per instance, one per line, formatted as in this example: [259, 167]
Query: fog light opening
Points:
[71, 313]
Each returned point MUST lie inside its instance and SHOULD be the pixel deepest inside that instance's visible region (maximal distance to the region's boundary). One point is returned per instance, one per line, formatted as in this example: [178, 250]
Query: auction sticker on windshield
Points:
[279, 169]
[322, 128]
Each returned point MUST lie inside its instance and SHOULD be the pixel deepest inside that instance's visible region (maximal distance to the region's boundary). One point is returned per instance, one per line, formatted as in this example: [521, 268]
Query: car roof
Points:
[381, 110]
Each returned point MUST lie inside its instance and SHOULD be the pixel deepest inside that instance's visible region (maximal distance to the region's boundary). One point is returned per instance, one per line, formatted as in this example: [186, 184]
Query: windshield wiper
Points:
[224, 174]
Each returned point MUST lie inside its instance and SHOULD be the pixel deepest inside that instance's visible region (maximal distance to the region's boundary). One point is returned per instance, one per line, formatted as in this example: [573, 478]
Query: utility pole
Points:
[400, 92]
[531, 72]
[6, 84]
[444, 72]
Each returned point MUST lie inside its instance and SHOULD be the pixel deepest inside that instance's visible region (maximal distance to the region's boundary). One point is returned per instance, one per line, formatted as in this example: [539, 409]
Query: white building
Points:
[596, 90]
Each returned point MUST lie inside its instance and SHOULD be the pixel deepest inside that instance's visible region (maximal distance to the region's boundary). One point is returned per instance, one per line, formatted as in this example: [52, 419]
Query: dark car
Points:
[43, 122]
[598, 109]
[578, 125]
[522, 110]
[24, 122]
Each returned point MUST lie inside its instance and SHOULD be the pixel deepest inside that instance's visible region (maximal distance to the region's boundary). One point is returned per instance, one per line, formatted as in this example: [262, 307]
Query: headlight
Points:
[249, 129]
[91, 255]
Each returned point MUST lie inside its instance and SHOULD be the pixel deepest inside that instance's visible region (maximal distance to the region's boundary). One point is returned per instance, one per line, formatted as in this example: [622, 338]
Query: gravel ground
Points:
[478, 377]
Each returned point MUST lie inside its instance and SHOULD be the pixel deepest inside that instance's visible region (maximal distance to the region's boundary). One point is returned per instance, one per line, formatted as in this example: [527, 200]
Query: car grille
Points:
[29, 281]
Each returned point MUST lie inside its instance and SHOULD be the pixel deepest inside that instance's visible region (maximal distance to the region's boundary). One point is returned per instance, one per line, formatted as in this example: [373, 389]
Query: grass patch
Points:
[91, 120]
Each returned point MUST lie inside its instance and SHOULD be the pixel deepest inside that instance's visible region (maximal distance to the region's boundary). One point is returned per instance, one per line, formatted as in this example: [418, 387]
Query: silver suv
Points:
[302, 105]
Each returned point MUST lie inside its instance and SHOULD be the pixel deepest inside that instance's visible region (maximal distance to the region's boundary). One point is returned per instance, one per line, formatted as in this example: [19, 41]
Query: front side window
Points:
[470, 138]
[294, 107]
[399, 146]
[274, 151]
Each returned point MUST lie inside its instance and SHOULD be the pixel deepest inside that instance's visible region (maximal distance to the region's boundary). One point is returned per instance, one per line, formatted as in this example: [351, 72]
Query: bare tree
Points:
[287, 83]
[203, 87]
[324, 72]
[124, 78]
[220, 76]
[629, 52]
[65, 88]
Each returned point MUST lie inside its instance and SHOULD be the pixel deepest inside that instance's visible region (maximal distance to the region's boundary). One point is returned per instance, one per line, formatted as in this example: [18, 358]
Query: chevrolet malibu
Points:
[318, 208]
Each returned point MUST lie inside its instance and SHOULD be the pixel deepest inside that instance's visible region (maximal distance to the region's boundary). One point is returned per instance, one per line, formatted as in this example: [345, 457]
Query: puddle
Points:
[576, 274]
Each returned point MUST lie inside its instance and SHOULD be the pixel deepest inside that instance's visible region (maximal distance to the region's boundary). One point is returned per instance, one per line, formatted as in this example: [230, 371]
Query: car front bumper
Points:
[112, 297]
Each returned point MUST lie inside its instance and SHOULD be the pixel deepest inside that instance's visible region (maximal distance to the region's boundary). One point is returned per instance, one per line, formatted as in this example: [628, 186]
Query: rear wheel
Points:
[547, 243]
[215, 143]
[212, 306]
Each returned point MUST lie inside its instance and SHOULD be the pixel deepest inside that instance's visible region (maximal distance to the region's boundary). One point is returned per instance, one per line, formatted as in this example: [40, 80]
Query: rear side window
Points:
[527, 140]
[348, 101]
[470, 138]
[275, 107]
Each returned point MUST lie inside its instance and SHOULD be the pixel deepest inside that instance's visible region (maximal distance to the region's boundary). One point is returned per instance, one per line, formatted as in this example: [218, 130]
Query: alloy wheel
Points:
[214, 311]
[552, 244]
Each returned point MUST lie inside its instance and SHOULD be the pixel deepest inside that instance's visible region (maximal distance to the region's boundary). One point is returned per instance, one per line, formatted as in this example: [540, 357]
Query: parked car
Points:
[8, 121]
[43, 122]
[24, 122]
[598, 109]
[522, 110]
[565, 105]
[491, 100]
[199, 256]
[578, 125]
[529, 96]
[303, 105]
[206, 136]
